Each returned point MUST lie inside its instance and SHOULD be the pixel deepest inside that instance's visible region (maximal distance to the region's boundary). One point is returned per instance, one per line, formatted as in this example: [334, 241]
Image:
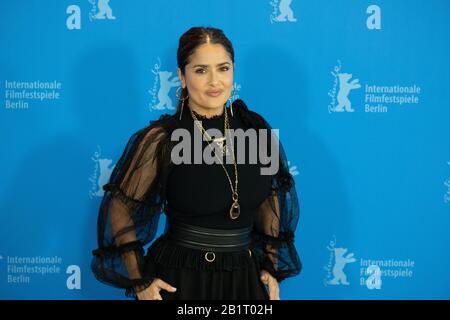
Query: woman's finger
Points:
[164, 285]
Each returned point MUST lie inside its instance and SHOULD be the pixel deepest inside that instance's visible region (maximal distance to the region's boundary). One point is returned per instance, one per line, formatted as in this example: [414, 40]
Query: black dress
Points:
[146, 183]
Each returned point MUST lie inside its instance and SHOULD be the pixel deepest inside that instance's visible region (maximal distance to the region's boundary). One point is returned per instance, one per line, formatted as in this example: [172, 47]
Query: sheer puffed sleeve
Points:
[129, 211]
[277, 217]
[275, 225]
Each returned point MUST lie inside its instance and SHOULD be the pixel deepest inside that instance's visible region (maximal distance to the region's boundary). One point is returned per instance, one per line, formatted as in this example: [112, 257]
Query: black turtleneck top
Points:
[200, 194]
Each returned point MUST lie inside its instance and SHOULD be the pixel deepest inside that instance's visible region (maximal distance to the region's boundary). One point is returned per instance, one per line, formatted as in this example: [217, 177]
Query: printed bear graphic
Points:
[164, 88]
[105, 173]
[344, 90]
[340, 262]
[285, 11]
[104, 10]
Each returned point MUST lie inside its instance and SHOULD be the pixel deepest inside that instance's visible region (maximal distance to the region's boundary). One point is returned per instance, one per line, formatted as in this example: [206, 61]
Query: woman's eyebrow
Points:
[205, 65]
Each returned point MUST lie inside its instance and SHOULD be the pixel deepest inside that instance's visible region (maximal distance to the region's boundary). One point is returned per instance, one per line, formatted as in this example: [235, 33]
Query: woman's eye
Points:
[201, 70]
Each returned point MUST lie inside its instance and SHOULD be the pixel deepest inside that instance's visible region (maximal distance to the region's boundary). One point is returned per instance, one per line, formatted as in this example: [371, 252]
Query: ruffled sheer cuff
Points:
[110, 267]
[277, 255]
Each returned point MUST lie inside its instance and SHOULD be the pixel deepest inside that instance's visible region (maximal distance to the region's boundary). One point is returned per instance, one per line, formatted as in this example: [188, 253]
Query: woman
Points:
[229, 230]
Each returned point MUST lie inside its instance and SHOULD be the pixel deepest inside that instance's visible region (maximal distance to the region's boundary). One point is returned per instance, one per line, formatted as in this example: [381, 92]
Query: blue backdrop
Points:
[358, 90]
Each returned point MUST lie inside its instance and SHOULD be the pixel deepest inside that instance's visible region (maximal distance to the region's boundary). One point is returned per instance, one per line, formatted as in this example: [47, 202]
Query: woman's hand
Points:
[272, 284]
[152, 291]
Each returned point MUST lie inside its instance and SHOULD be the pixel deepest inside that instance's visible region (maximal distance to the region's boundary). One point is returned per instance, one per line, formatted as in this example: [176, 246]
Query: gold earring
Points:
[182, 100]
[231, 103]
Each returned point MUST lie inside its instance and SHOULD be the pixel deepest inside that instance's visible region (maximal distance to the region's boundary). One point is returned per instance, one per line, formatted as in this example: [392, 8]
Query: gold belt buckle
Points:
[210, 259]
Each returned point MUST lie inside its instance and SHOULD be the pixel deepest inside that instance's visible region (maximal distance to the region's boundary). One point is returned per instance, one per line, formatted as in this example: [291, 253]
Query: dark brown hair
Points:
[193, 38]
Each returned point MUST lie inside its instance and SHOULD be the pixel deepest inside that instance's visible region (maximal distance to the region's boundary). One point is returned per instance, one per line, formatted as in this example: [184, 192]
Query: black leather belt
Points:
[211, 240]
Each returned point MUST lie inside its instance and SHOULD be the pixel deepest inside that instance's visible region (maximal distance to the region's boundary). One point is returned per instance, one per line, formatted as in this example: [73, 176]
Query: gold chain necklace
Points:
[235, 209]
[219, 141]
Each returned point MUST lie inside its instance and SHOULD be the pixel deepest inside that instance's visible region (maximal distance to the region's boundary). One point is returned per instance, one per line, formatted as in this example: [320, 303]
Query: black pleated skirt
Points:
[231, 276]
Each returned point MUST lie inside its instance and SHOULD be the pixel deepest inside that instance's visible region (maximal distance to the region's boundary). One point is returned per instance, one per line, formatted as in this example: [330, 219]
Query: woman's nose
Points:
[213, 78]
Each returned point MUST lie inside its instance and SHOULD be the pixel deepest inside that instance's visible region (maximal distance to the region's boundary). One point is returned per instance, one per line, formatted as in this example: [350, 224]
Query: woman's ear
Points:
[181, 78]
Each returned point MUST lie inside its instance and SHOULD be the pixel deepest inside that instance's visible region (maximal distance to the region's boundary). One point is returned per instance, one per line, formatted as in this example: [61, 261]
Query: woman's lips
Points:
[214, 93]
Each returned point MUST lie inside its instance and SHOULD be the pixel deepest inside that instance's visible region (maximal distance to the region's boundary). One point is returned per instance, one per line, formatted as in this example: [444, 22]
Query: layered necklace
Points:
[235, 209]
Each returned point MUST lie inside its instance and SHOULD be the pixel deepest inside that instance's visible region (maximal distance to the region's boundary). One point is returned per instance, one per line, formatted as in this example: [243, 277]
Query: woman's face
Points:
[208, 77]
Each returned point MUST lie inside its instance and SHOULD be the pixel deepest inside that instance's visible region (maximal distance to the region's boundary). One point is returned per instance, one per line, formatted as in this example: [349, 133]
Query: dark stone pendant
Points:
[235, 210]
